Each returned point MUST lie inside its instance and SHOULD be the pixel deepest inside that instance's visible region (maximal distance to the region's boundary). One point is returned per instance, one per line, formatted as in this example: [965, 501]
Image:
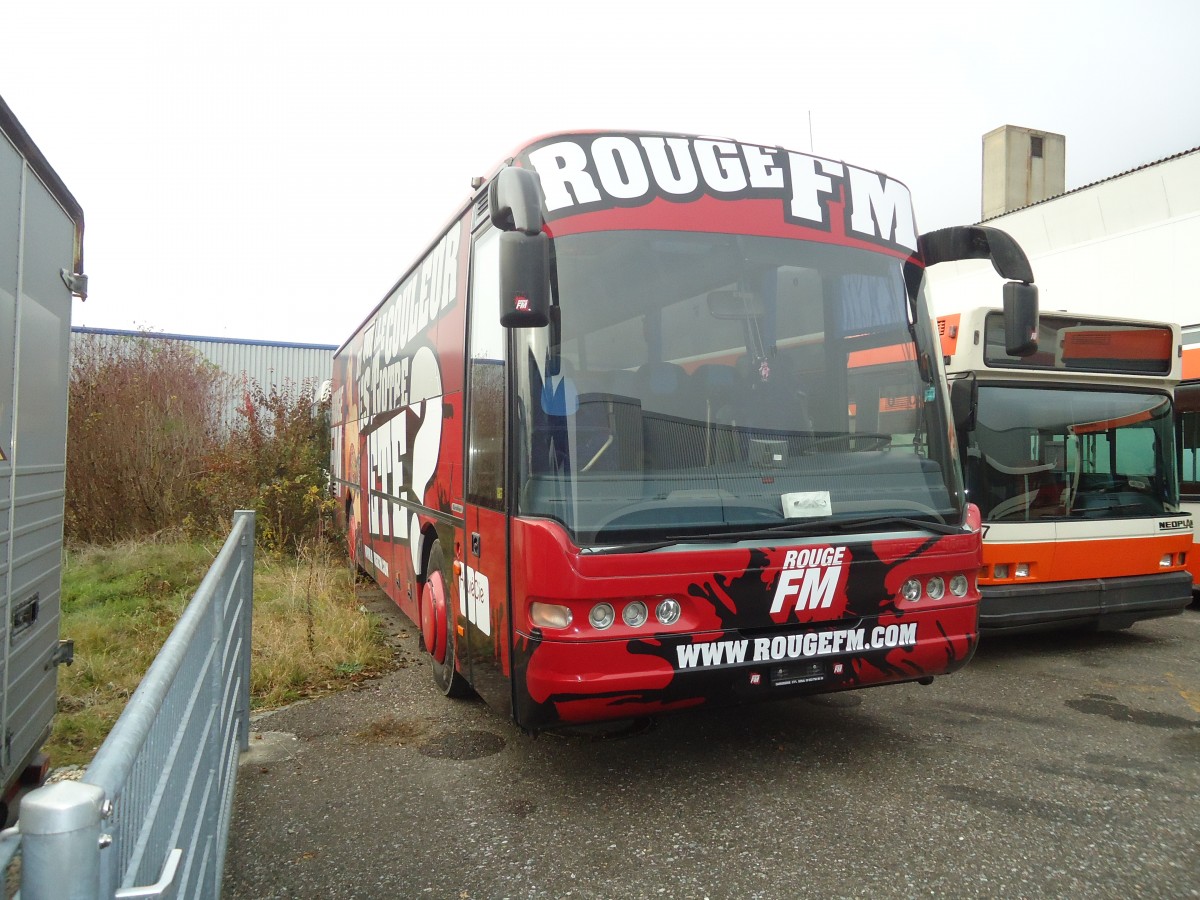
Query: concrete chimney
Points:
[1021, 166]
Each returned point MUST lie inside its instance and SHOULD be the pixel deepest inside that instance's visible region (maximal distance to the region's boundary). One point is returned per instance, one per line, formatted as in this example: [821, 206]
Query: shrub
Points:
[275, 462]
[144, 415]
[148, 449]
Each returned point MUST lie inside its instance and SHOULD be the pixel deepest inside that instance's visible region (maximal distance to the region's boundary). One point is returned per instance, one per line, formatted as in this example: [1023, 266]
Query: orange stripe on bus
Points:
[1078, 560]
[879, 356]
[1191, 363]
[1107, 424]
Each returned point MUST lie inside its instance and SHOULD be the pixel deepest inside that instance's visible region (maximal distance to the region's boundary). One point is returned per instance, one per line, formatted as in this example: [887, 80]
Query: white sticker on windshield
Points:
[806, 504]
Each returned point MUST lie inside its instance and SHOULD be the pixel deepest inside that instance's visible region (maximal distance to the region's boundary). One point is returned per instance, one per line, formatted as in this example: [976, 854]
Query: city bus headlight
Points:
[935, 588]
[668, 611]
[549, 615]
[602, 616]
[634, 614]
[959, 585]
[911, 590]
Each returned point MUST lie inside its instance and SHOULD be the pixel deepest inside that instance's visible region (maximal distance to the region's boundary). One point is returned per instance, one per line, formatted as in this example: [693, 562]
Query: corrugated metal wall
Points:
[265, 362]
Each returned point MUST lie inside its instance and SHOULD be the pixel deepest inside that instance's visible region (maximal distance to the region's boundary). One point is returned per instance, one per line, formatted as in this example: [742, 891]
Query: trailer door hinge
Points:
[76, 282]
[64, 653]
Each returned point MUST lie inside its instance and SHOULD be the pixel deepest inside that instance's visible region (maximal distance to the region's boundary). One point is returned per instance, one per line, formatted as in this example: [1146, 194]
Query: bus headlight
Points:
[549, 615]
[911, 590]
[668, 611]
[602, 616]
[935, 588]
[959, 585]
[634, 614]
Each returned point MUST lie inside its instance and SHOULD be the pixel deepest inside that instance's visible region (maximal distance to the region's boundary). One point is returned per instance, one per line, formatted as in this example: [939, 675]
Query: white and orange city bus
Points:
[1069, 453]
[604, 443]
[1187, 412]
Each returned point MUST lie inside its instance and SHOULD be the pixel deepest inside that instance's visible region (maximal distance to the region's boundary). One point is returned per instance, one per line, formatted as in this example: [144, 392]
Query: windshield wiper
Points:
[786, 529]
[820, 526]
[633, 548]
[936, 527]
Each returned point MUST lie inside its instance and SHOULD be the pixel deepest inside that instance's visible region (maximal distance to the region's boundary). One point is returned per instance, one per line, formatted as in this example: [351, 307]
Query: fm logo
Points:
[811, 576]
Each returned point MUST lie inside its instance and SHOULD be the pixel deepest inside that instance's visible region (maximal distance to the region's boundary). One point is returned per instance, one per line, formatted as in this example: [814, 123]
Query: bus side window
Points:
[485, 379]
[1189, 472]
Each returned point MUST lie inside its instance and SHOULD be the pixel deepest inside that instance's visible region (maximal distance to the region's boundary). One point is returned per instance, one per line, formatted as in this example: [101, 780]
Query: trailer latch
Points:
[25, 615]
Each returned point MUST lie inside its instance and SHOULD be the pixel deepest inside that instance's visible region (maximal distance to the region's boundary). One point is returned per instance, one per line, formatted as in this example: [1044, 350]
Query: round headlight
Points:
[958, 585]
[601, 616]
[935, 588]
[635, 614]
[667, 612]
[911, 590]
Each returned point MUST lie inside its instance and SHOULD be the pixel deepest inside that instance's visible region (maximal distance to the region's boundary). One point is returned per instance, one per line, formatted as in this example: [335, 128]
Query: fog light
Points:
[1000, 570]
[935, 588]
[634, 614]
[549, 615]
[667, 612]
[602, 616]
[911, 590]
[1022, 570]
[958, 585]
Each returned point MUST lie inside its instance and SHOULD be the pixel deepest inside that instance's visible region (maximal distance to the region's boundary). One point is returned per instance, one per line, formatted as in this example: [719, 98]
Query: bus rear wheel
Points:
[437, 621]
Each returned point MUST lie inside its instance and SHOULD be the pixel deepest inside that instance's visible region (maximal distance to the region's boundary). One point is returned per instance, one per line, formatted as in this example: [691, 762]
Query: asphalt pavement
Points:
[1062, 765]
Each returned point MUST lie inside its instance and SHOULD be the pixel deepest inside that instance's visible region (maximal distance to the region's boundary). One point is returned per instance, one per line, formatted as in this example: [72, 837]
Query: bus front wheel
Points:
[437, 622]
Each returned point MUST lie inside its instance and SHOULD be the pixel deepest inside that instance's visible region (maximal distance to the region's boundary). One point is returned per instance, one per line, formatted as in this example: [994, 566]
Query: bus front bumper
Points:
[1106, 604]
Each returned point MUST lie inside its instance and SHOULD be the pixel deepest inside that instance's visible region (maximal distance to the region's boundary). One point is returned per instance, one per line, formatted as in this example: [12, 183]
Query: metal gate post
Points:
[60, 842]
[247, 591]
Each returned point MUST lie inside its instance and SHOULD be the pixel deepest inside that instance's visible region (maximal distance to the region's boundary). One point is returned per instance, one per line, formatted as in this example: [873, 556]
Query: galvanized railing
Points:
[150, 817]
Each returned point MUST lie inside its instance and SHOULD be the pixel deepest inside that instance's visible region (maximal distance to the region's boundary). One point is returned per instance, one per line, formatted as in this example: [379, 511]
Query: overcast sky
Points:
[267, 170]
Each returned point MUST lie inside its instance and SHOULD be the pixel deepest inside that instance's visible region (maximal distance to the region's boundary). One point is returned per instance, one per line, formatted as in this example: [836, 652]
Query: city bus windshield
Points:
[1039, 453]
[694, 384]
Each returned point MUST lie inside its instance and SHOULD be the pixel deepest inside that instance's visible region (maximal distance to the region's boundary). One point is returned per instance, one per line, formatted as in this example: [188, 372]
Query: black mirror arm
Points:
[977, 242]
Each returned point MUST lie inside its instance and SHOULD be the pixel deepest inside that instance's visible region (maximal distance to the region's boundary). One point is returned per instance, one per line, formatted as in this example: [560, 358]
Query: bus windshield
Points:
[698, 384]
[1041, 453]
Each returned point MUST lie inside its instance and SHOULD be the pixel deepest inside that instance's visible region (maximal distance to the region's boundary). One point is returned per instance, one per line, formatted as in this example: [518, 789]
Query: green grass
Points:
[120, 603]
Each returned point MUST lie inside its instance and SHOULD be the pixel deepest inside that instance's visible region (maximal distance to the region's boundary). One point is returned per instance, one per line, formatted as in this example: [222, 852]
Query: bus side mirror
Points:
[1020, 319]
[524, 279]
[964, 398]
[1009, 261]
[515, 201]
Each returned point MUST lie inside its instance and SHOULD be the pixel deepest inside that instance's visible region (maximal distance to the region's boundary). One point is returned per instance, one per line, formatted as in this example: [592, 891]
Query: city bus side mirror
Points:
[1020, 319]
[524, 279]
[964, 398]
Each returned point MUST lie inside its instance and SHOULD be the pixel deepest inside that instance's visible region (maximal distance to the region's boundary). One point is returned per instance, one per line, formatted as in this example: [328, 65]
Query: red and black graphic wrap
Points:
[752, 653]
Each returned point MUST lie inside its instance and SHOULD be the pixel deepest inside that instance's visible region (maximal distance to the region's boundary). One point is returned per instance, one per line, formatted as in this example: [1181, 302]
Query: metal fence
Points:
[150, 818]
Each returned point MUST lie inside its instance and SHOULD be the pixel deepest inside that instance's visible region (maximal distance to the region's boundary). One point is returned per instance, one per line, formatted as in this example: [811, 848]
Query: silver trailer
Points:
[41, 267]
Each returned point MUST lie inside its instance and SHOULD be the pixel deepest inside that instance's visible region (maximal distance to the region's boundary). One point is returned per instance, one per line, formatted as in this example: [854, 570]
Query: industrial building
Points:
[247, 362]
[1117, 247]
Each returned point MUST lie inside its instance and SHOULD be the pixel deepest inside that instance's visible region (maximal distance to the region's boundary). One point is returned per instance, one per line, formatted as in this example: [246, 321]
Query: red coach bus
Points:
[660, 421]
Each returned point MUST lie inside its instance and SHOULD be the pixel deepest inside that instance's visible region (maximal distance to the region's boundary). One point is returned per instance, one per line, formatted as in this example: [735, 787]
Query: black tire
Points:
[445, 673]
